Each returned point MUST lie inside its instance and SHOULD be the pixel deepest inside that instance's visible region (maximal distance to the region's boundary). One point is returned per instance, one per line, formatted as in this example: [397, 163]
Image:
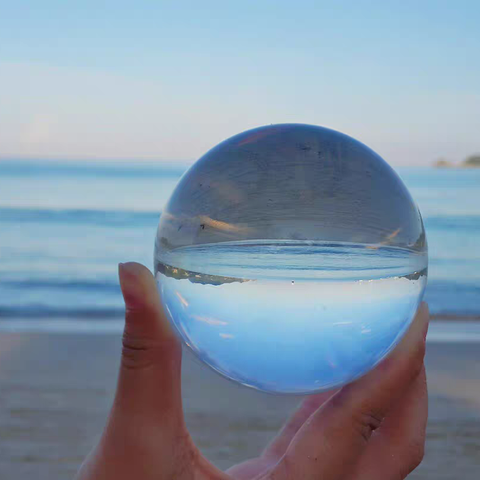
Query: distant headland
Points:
[473, 161]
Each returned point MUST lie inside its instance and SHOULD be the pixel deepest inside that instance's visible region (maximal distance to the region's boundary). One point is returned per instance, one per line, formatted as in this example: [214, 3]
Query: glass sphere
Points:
[291, 258]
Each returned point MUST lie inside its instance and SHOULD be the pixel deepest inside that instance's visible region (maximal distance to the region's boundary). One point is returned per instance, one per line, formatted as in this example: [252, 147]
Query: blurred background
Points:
[103, 106]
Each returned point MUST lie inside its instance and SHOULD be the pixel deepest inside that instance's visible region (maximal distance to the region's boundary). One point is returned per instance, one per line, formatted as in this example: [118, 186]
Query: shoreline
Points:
[461, 326]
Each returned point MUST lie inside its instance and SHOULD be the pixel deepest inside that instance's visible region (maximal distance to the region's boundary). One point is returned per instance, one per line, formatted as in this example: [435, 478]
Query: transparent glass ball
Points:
[291, 258]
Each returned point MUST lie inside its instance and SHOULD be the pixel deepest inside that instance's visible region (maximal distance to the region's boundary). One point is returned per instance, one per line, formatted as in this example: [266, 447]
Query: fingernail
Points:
[129, 284]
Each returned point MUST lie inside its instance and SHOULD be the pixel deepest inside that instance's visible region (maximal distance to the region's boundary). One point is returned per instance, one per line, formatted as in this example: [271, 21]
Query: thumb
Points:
[149, 385]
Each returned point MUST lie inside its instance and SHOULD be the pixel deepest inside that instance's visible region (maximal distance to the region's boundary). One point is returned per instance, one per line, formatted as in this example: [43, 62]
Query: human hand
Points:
[371, 429]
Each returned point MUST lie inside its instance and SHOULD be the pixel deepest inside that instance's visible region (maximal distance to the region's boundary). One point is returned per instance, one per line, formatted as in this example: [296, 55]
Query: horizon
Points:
[167, 82]
[179, 164]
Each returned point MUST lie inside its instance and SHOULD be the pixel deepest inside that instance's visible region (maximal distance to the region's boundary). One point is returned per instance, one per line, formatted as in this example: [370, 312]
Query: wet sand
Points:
[55, 391]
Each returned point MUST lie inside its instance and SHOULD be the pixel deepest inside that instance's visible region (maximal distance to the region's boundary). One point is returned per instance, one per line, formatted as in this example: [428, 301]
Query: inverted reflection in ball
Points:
[291, 258]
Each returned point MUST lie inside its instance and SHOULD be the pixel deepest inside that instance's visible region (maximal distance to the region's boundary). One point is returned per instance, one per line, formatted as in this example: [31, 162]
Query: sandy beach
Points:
[55, 391]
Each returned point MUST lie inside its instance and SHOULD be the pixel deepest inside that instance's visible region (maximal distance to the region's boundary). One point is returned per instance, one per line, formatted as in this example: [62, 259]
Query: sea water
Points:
[291, 316]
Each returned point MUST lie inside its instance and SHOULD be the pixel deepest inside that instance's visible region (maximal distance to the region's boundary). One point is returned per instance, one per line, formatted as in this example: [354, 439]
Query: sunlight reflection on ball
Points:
[291, 258]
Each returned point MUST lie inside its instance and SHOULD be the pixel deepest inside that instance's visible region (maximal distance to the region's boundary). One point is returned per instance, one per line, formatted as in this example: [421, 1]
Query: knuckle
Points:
[141, 349]
[135, 352]
[366, 422]
[142, 352]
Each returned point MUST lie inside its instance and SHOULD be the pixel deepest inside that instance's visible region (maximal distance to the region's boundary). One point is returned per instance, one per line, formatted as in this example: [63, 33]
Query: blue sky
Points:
[168, 80]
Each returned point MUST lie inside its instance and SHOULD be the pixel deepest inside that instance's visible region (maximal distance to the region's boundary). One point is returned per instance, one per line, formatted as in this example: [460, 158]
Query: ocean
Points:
[64, 227]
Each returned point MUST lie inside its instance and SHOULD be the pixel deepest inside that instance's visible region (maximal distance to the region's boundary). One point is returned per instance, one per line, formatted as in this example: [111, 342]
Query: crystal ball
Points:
[291, 258]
